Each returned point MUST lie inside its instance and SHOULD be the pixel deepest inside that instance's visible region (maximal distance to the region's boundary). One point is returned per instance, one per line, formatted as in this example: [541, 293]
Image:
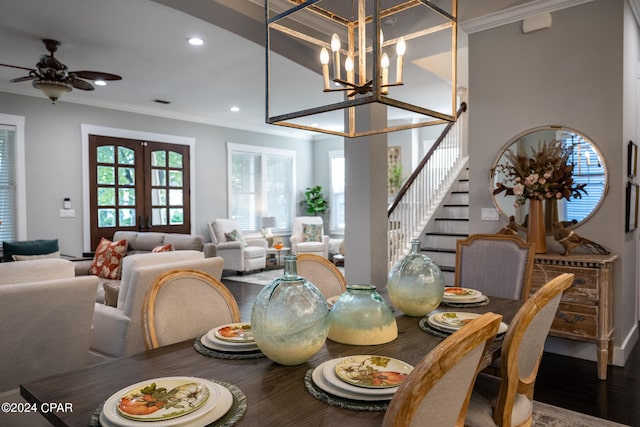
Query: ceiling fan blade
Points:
[18, 67]
[81, 84]
[95, 75]
[23, 79]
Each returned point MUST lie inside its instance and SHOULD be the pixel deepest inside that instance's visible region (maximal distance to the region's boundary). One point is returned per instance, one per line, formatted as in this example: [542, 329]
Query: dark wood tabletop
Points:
[276, 394]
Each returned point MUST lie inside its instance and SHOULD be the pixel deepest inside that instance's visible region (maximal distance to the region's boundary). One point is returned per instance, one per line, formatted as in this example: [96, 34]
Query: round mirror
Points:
[589, 176]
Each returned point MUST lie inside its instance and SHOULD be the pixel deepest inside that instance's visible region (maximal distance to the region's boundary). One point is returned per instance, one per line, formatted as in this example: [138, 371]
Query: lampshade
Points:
[52, 89]
[326, 60]
[268, 221]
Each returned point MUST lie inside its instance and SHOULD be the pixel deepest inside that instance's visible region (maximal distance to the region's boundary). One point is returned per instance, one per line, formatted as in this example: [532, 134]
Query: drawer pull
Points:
[578, 282]
[576, 318]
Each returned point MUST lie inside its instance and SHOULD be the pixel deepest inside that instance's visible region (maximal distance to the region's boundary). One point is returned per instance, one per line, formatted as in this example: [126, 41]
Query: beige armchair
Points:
[239, 253]
[307, 236]
[117, 331]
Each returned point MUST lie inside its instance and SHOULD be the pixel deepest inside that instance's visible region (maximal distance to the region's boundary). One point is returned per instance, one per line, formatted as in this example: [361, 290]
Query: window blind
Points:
[7, 183]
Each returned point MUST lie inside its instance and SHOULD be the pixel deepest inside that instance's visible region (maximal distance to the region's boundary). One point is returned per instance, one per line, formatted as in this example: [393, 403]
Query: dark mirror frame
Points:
[505, 204]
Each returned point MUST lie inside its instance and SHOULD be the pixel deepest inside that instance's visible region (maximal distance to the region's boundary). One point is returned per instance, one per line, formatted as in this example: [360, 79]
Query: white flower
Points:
[518, 189]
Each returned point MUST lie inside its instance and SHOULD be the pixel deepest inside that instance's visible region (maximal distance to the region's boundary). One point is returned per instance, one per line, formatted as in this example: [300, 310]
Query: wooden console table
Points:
[585, 311]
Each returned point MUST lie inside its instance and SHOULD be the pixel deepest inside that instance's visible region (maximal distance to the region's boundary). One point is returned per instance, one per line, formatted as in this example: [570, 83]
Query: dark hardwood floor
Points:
[562, 381]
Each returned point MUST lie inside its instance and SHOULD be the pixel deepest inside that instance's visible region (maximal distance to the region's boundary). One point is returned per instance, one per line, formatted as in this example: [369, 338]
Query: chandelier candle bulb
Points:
[335, 47]
[401, 48]
[324, 60]
[384, 63]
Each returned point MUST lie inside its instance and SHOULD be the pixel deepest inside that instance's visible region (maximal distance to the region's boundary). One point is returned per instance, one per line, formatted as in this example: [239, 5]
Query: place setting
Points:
[362, 383]
[173, 402]
[455, 296]
[444, 323]
[230, 341]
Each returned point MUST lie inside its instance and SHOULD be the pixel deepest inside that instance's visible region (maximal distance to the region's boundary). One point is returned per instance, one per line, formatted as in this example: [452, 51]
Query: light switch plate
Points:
[67, 213]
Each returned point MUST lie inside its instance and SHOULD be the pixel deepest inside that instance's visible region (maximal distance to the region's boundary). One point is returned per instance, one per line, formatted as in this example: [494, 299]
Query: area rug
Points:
[262, 277]
[545, 415]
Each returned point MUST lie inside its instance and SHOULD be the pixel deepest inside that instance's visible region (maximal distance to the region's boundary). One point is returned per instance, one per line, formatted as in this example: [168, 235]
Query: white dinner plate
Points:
[456, 294]
[234, 332]
[225, 346]
[329, 373]
[211, 335]
[471, 300]
[451, 321]
[319, 380]
[212, 409]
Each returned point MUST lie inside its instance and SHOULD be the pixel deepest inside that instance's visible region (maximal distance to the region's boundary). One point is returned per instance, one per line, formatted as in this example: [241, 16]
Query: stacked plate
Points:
[167, 402]
[458, 295]
[231, 338]
[363, 378]
[451, 321]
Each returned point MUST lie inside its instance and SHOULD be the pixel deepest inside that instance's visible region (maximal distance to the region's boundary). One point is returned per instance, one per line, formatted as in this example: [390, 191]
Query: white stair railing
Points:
[425, 189]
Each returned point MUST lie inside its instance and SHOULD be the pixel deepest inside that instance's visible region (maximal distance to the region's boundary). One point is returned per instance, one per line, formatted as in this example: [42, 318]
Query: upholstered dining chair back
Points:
[512, 395]
[497, 265]
[436, 393]
[322, 273]
[182, 304]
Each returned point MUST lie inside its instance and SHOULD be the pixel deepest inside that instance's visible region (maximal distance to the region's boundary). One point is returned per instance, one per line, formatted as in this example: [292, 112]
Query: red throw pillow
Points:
[108, 259]
[164, 248]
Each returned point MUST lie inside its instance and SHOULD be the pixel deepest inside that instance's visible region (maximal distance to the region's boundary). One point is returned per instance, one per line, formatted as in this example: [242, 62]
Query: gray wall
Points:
[569, 74]
[54, 159]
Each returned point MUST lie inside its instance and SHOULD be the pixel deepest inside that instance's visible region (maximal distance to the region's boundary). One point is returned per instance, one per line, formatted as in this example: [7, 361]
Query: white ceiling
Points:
[145, 42]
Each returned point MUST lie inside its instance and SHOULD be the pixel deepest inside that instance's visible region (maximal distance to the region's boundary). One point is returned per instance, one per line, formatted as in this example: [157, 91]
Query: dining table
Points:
[276, 395]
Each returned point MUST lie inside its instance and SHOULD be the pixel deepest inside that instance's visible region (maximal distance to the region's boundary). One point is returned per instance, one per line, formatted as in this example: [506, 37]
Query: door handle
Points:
[140, 224]
[148, 223]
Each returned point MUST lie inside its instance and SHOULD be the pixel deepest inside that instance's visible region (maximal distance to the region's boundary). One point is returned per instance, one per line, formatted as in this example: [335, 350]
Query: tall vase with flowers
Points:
[545, 174]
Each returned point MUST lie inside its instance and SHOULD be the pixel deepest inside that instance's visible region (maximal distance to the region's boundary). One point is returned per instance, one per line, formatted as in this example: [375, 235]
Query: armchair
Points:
[307, 236]
[242, 254]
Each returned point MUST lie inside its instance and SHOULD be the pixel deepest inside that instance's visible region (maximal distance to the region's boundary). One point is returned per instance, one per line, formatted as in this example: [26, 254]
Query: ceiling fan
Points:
[54, 78]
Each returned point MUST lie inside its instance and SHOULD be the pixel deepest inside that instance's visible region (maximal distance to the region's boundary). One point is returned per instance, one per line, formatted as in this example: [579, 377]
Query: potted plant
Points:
[316, 203]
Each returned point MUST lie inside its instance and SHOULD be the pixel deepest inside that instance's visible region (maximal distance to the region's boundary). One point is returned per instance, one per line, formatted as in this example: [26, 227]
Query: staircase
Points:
[449, 223]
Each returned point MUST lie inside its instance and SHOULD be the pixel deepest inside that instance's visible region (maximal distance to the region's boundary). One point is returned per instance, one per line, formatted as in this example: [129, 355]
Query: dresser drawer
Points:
[583, 290]
[576, 321]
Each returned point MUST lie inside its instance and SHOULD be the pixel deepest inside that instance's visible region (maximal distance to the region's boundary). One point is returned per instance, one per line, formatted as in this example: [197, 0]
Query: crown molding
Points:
[517, 13]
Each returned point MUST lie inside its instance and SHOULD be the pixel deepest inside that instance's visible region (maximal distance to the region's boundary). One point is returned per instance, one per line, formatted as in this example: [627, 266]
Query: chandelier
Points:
[327, 59]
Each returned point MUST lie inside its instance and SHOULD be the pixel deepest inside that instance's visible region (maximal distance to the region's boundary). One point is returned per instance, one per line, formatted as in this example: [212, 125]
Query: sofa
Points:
[118, 329]
[47, 314]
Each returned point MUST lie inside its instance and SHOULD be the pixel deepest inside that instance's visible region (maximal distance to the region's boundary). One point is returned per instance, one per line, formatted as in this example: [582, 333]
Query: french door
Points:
[138, 186]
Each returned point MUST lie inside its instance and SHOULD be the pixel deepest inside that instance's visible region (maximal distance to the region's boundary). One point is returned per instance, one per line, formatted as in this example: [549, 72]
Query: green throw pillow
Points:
[312, 232]
[28, 247]
[235, 236]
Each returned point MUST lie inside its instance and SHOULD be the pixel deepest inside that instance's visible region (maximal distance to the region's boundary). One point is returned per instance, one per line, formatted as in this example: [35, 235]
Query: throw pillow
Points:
[55, 254]
[29, 247]
[312, 232]
[164, 248]
[235, 236]
[108, 259]
[111, 294]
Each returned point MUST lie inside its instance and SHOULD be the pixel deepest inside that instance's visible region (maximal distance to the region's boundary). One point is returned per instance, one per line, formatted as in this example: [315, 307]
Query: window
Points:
[337, 213]
[12, 180]
[260, 184]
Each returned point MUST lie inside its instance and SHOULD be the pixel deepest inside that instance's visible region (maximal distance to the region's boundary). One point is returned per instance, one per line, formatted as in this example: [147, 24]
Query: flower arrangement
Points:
[547, 174]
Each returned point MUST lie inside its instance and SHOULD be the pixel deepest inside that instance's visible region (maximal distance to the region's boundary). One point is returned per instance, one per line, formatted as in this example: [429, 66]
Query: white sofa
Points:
[118, 330]
[45, 328]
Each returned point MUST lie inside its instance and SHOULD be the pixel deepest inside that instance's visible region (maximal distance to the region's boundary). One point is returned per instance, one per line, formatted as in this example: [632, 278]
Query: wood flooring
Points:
[562, 381]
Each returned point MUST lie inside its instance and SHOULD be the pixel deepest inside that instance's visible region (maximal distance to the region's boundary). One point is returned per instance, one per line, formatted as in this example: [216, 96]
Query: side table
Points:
[276, 254]
[585, 311]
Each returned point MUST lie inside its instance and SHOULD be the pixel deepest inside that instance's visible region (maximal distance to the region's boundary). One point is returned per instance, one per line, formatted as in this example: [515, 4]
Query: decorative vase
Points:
[289, 317]
[536, 232]
[415, 283]
[362, 317]
[550, 214]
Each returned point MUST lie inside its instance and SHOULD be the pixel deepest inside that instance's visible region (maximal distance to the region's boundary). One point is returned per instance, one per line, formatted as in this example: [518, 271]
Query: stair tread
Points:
[456, 205]
[447, 268]
[440, 233]
[451, 219]
[441, 250]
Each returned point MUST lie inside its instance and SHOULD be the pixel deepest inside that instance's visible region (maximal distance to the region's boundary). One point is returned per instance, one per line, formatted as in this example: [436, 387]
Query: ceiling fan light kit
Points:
[363, 54]
[54, 79]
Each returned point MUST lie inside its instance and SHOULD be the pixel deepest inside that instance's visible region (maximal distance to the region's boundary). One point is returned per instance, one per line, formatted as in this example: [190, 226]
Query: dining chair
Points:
[497, 265]
[183, 304]
[322, 273]
[508, 401]
[439, 387]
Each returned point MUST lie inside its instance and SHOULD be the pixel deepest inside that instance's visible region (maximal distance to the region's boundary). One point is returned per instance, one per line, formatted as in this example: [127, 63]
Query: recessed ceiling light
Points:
[196, 41]
[235, 109]
[100, 83]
